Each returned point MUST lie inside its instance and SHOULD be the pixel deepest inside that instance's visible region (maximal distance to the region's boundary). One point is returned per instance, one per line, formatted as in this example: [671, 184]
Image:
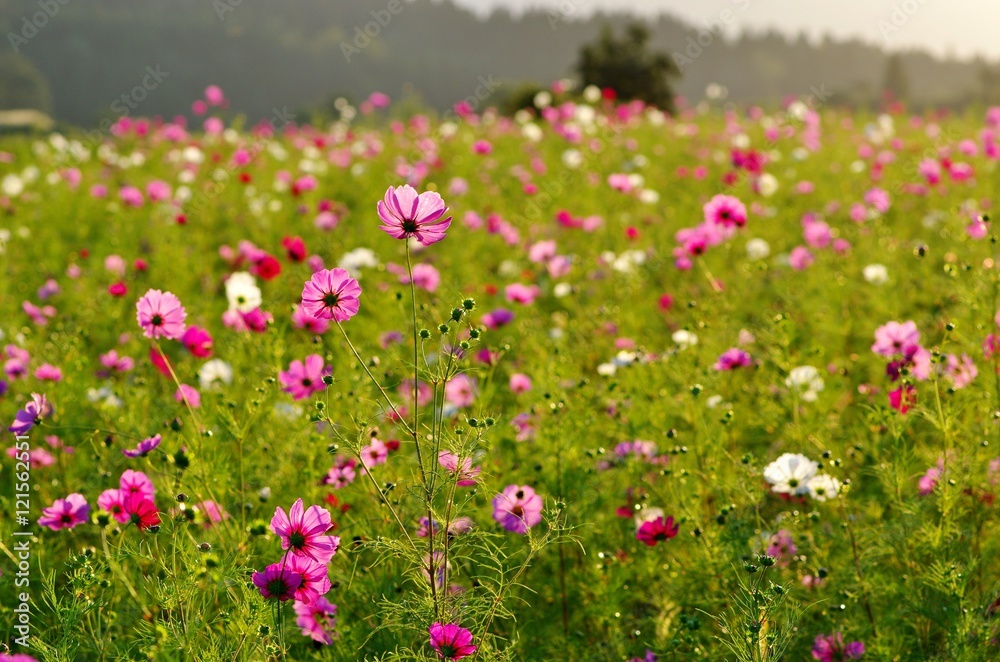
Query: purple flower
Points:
[451, 641]
[831, 648]
[32, 414]
[731, 359]
[517, 508]
[144, 448]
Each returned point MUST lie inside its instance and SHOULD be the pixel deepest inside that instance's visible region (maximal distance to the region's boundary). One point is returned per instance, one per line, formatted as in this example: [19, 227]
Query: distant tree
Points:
[627, 66]
[22, 85]
[896, 84]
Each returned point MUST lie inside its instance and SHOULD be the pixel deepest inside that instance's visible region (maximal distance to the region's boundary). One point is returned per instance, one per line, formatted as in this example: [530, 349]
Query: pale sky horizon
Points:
[959, 28]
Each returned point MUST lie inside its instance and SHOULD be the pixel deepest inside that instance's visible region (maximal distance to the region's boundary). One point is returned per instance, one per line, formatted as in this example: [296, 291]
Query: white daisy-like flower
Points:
[823, 487]
[684, 339]
[213, 372]
[791, 473]
[876, 274]
[758, 249]
[242, 292]
[806, 380]
[356, 260]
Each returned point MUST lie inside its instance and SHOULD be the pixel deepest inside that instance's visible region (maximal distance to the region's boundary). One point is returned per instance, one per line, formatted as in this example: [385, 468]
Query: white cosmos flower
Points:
[767, 184]
[758, 249]
[356, 260]
[823, 487]
[806, 380]
[684, 338]
[791, 473]
[876, 274]
[647, 515]
[215, 371]
[607, 369]
[242, 292]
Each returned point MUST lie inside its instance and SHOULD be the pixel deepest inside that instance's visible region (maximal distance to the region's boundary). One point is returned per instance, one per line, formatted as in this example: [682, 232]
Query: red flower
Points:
[655, 530]
[268, 267]
[141, 511]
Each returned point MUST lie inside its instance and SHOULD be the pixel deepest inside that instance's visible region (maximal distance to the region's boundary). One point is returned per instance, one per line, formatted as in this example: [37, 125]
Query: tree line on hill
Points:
[75, 60]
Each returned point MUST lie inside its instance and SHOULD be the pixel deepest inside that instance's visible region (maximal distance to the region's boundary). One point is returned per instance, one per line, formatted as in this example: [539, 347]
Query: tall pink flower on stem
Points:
[161, 315]
[303, 531]
[517, 508]
[451, 641]
[405, 213]
[331, 294]
[304, 378]
[277, 582]
[65, 513]
[317, 619]
[463, 470]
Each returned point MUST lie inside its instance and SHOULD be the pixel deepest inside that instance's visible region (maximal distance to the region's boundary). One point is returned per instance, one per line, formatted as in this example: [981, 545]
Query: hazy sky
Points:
[959, 27]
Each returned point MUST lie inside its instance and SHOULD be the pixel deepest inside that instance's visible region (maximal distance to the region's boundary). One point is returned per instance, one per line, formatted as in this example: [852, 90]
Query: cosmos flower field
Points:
[587, 383]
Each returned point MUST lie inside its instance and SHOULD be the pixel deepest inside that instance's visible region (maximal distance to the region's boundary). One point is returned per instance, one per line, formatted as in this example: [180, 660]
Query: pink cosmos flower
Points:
[331, 294]
[522, 294]
[37, 457]
[425, 277]
[304, 378]
[112, 502]
[161, 315]
[314, 577]
[520, 383]
[213, 513]
[542, 251]
[498, 318]
[48, 373]
[451, 641]
[117, 363]
[277, 582]
[725, 210]
[405, 214]
[65, 513]
[144, 448]
[961, 370]
[303, 531]
[303, 320]
[831, 648]
[930, 479]
[465, 472]
[781, 547]
[135, 482]
[188, 394]
[341, 475]
[460, 391]
[375, 453]
[198, 341]
[800, 258]
[731, 359]
[317, 619]
[893, 338]
[517, 508]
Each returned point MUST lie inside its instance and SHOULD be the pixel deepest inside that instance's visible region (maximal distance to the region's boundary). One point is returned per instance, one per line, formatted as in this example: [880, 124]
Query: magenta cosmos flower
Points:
[304, 378]
[406, 214]
[829, 648]
[32, 414]
[65, 513]
[517, 508]
[732, 359]
[656, 530]
[331, 294]
[161, 315]
[303, 531]
[314, 577]
[725, 210]
[317, 619]
[277, 582]
[451, 641]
